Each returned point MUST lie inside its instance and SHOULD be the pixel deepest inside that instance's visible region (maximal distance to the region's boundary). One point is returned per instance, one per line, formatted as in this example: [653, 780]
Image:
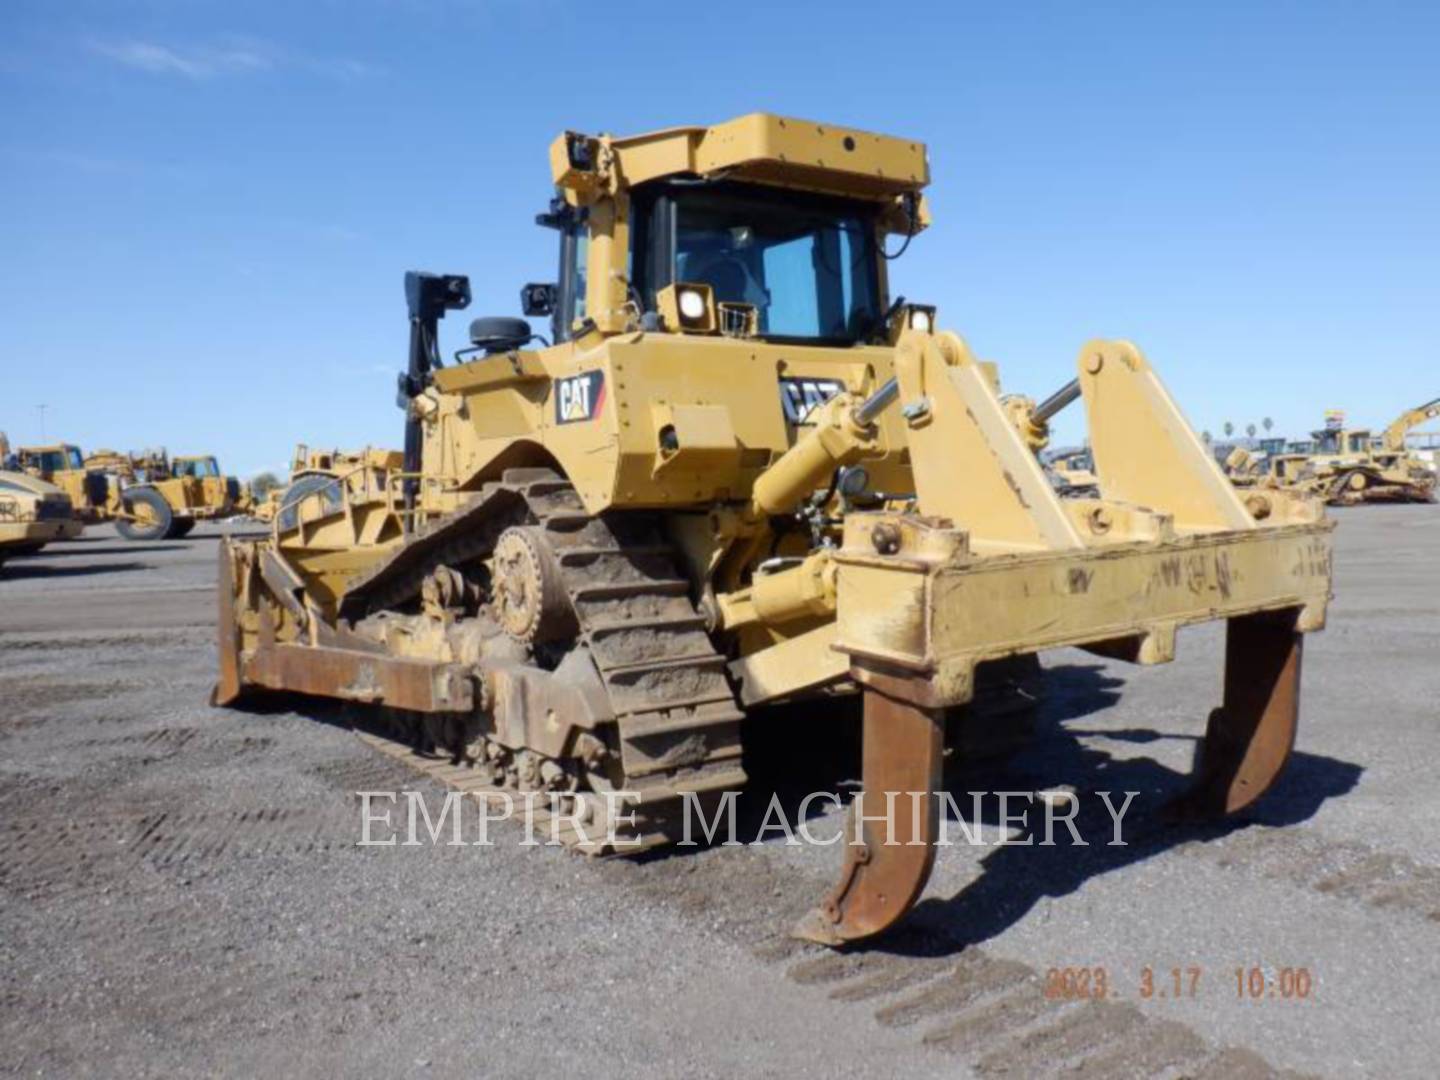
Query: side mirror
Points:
[539, 298]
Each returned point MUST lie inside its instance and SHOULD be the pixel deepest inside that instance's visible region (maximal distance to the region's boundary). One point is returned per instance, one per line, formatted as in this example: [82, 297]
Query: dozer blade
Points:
[1249, 737]
[227, 686]
[884, 876]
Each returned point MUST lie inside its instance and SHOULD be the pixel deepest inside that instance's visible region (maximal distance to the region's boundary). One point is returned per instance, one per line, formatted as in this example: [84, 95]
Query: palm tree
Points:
[1250, 430]
[1229, 429]
[1267, 424]
[1206, 438]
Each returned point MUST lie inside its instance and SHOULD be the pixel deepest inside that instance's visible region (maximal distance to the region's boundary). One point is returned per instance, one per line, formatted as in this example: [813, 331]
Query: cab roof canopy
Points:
[761, 148]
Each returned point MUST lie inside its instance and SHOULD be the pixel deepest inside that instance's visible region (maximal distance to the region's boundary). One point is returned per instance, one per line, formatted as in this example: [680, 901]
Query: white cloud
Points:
[200, 63]
[234, 56]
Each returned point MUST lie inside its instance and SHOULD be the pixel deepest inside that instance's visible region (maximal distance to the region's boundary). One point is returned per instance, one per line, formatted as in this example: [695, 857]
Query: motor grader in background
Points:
[740, 473]
[1346, 466]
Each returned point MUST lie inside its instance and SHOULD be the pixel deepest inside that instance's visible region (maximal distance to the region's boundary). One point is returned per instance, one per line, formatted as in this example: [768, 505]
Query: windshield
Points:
[53, 461]
[198, 467]
[807, 264]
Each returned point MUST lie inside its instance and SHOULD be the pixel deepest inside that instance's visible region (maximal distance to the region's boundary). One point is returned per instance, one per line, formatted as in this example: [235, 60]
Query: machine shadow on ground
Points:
[823, 755]
[23, 569]
[792, 751]
[133, 548]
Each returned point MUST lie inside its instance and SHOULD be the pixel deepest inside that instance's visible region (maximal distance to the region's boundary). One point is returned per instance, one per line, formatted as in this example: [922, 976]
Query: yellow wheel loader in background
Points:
[742, 473]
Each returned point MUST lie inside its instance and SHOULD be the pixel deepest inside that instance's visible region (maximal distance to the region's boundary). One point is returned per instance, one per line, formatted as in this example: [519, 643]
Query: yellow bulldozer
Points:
[1074, 472]
[740, 472]
[1345, 466]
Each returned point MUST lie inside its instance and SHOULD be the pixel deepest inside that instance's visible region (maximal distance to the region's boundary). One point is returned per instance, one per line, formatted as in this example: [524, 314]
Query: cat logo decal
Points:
[579, 397]
[800, 397]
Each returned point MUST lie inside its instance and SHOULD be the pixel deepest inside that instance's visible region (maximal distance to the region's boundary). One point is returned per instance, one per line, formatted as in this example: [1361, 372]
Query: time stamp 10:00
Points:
[1252, 983]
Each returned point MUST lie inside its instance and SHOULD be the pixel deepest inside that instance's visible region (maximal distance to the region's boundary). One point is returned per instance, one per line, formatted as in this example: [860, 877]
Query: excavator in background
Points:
[740, 472]
[1393, 440]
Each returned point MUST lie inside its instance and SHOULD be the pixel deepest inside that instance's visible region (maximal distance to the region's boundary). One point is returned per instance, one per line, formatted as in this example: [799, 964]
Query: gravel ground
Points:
[181, 890]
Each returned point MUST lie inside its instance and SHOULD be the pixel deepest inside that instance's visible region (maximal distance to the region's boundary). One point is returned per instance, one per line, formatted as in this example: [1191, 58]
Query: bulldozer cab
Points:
[1342, 441]
[776, 225]
[805, 265]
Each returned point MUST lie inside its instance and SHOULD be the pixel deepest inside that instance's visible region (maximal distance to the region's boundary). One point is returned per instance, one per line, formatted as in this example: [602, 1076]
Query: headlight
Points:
[922, 319]
[687, 307]
[692, 304]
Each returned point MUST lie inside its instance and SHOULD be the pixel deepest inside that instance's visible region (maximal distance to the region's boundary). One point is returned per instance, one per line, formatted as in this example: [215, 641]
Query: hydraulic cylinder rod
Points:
[1057, 401]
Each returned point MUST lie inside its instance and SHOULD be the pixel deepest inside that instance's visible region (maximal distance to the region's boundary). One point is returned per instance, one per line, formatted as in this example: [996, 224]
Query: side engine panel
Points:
[646, 421]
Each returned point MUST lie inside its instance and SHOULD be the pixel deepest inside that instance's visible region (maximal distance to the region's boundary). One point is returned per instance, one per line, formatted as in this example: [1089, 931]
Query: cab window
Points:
[806, 263]
[581, 247]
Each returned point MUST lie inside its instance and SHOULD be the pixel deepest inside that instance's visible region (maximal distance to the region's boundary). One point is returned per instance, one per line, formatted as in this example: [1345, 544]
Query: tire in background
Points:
[158, 517]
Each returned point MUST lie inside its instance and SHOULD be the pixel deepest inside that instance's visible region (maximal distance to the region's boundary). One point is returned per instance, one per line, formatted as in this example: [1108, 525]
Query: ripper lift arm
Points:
[996, 564]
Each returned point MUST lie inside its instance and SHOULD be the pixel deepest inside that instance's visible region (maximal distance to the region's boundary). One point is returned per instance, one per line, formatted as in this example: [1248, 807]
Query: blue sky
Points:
[206, 208]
